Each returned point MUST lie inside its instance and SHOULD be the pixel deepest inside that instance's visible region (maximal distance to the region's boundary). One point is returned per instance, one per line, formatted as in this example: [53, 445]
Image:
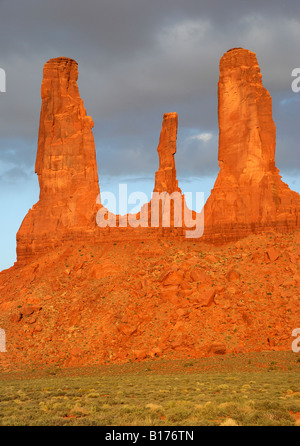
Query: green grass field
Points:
[146, 397]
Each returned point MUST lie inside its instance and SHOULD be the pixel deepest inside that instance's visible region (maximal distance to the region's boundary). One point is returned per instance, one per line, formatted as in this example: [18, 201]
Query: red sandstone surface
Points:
[65, 164]
[80, 294]
[165, 177]
[249, 195]
[164, 298]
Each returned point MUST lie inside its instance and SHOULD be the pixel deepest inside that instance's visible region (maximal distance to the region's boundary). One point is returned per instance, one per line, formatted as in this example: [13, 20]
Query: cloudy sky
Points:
[137, 60]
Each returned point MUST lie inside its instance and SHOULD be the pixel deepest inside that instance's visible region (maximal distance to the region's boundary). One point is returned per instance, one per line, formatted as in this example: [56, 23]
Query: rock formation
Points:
[248, 195]
[159, 212]
[165, 212]
[65, 165]
[149, 298]
[165, 177]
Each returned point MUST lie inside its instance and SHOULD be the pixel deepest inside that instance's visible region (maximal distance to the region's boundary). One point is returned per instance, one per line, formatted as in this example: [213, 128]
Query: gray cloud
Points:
[137, 60]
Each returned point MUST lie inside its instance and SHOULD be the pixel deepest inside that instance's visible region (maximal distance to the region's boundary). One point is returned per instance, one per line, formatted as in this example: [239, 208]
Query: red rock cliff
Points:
[248, 195]
[65, 165]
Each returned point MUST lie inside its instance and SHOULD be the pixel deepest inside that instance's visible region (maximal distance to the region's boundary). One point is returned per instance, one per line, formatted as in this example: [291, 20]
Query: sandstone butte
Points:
[249, 195]
[65, 164]
[67, 172]
[81, 295]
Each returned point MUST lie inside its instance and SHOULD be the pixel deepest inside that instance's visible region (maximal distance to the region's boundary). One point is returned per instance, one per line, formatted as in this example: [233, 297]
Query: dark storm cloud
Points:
[137, 60]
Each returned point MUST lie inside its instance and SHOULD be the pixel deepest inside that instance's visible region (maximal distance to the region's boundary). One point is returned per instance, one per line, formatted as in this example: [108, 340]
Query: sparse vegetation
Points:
[226, 399]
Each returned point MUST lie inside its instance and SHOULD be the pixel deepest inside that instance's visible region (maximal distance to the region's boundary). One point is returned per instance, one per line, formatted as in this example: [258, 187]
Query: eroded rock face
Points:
[65, 165]
[248, 195]
[170, 215]
[165, 177]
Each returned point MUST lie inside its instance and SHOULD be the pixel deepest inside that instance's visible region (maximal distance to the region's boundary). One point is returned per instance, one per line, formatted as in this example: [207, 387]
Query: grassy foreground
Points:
[211, 398]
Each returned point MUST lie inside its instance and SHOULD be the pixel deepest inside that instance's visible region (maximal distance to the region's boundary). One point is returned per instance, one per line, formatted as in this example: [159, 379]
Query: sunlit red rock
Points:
[65, 165]
[165, 177]
[248, 195]
[138, 296]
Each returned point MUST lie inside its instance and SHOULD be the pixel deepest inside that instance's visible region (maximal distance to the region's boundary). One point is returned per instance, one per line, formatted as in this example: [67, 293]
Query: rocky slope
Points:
[135, 300]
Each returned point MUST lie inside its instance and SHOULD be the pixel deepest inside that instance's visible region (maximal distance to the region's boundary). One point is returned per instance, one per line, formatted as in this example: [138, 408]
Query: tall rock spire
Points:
[247, 131]
[65, 164]
[165, 177]
[248, 194]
